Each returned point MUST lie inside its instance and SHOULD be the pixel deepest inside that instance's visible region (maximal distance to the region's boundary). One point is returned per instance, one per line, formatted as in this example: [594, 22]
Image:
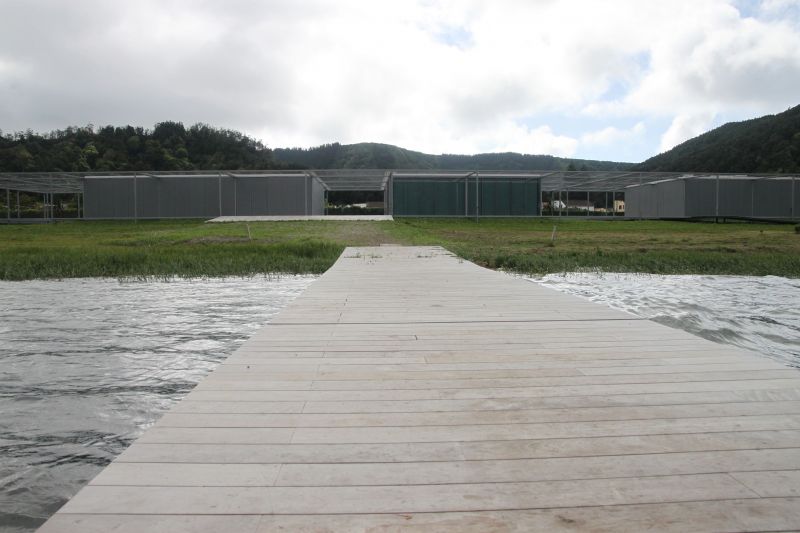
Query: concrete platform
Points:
[408, 389]
[369, 218]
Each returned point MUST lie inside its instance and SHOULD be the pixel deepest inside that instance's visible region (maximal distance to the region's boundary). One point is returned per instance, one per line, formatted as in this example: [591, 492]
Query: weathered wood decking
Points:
[407, 388]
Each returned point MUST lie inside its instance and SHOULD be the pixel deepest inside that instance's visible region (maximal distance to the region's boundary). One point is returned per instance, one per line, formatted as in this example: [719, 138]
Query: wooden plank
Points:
[141, 452]
[763, 386]
[408, 388]
[461, 418]
[405, 498]
[774, 514]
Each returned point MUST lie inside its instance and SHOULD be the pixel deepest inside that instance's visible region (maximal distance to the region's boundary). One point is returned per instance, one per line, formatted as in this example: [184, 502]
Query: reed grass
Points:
[192, 248]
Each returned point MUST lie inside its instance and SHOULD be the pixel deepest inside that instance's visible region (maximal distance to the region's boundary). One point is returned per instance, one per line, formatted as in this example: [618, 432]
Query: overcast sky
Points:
[612, 79]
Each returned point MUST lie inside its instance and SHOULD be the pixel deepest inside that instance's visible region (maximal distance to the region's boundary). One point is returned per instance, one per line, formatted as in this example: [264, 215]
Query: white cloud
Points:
[434, 75]
[683, 128]
[611, 134]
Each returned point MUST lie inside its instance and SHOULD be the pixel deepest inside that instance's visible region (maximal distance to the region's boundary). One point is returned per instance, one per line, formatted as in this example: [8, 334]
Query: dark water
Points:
[86, 365]
[760, 314]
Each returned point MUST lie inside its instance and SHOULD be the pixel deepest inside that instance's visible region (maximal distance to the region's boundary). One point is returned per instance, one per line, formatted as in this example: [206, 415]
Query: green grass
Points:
[661, 247]
[192, 248]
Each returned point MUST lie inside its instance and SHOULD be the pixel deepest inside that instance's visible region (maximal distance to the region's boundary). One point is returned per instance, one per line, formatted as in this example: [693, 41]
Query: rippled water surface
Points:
[86, 365]
[761, 314]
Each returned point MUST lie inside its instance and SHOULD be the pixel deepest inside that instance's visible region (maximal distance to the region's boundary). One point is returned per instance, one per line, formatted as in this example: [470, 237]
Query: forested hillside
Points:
[168, 146]
[375, 155]
[767, 144]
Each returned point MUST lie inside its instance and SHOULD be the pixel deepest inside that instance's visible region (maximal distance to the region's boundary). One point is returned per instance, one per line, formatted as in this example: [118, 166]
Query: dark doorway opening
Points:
[354, 203]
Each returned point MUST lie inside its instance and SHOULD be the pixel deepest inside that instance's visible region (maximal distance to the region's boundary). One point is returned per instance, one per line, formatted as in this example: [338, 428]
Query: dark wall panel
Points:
[188, 197]
[458, 198]
[201, 197]
[700, 197]
[108, 198]
[671, 199]
[317, 198]
[415, 197]
[773, 198]
[736, 198]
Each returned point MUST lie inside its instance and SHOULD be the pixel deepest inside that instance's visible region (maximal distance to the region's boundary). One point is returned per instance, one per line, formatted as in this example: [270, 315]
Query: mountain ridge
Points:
[387, 156]
[766, 144]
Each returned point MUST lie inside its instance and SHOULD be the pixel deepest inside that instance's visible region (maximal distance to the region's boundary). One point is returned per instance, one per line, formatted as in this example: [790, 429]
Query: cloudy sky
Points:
[613, 79]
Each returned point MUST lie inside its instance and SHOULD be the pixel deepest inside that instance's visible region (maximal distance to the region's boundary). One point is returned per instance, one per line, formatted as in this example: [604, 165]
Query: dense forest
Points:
[767, 144]
[172, 146]
[168, 146]
[375, 155]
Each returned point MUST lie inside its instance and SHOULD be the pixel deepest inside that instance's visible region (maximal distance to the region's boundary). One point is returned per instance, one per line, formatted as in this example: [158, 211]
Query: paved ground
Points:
[373, 218]
[409, 389]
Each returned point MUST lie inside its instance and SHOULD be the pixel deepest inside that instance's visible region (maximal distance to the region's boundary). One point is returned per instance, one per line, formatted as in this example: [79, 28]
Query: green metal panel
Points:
[415, 197]
[502, 197]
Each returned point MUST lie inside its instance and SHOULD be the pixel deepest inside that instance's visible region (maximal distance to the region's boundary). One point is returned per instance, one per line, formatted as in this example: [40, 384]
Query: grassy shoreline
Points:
[192, 248]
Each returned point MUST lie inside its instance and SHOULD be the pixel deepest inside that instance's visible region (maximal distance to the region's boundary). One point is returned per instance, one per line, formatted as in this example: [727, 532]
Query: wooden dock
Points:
[409, 389]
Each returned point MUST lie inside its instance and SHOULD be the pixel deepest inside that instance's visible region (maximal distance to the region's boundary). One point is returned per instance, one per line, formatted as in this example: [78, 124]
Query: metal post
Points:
[560, 203]
[466, 196]
[716, 201]
[135, 201]
[477, 196]
[793, 212]
[219, 192]
[391, 194]
[18, 210]
[305, 195]
[753, 198]
[587, 203]
[386, 195]
[640, 198]
[8, 205]
[235, 196]
[52, 198]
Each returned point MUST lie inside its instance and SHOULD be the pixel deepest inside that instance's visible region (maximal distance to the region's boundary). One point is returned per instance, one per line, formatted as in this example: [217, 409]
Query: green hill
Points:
[767, 144]
[168, 146]
[382, 156]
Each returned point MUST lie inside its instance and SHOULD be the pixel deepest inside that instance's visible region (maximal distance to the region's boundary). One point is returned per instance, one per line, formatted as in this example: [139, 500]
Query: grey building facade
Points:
[201, 196]
[722, 196]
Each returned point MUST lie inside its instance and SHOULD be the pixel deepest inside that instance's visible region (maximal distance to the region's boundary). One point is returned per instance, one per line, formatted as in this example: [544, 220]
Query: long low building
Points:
[201, 196]
[406, 193]
[775, 197]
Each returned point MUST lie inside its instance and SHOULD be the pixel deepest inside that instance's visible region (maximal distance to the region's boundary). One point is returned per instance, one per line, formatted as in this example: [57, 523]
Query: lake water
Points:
[761, 314]
[86, 365]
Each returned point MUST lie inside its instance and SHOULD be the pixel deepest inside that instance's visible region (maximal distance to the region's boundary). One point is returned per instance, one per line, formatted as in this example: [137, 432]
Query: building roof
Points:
[376, 180]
